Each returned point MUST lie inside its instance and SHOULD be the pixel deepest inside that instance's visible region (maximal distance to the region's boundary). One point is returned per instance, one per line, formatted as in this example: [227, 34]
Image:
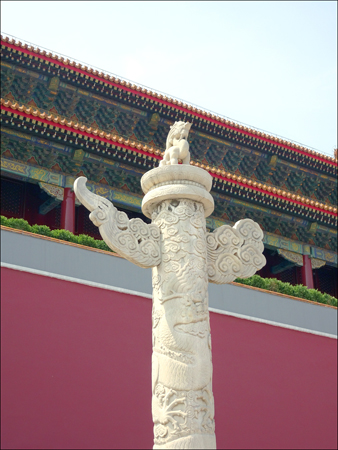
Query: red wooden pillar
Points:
[68, 210]
[307, 275]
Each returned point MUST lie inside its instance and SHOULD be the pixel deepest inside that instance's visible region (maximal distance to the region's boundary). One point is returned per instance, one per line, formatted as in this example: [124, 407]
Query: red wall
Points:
[76, 373]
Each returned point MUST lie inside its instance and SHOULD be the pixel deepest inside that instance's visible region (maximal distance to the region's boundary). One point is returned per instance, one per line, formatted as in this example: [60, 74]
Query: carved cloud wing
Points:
[235, 251]
[133, 239]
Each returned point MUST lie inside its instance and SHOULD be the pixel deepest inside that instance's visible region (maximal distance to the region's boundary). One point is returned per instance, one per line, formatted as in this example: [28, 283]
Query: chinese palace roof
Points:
[71, 119]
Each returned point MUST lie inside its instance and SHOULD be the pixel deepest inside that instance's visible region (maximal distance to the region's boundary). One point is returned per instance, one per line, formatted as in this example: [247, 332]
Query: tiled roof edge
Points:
[126, 85]
[271, 191]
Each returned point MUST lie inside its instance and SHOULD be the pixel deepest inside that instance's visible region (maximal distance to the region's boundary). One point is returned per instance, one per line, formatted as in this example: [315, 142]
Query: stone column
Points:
[68, 210]
[183, 257]
[177, 200]
[307, 275]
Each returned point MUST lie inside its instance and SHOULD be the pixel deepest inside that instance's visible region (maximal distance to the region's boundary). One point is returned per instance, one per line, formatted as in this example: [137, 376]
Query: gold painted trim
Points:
[271, 191]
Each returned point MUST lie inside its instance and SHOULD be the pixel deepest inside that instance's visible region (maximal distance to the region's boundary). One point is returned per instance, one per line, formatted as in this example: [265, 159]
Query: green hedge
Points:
[300, 291]
[63, 235]
[269, 284]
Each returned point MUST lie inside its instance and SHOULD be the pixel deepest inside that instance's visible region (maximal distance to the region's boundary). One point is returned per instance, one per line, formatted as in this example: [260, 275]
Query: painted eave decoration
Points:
[77, 134]
[104, 83]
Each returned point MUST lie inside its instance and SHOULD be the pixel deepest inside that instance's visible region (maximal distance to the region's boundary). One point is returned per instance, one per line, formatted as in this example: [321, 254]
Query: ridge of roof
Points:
[202, 114]
[224, 176]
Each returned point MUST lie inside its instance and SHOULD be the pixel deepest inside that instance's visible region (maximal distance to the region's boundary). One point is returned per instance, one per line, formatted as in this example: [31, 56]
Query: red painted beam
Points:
[307, 275]
[68, 210]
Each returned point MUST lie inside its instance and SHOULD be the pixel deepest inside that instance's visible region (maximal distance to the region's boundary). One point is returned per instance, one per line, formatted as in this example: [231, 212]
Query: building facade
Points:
[76, 321]
[76, 344]
[61, 120]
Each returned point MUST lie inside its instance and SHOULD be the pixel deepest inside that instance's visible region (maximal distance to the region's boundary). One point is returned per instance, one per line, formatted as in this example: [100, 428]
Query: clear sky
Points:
[270, 65]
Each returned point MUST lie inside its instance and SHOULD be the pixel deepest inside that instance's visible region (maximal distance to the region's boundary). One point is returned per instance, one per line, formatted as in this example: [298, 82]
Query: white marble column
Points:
[177, 200]
[183, 257]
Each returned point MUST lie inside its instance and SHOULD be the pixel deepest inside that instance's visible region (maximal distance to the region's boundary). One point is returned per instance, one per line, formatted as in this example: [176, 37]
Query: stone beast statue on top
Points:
[177, 146]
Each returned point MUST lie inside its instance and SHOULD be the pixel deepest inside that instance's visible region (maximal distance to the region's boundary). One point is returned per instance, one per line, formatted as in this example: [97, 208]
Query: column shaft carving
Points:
[182, 405]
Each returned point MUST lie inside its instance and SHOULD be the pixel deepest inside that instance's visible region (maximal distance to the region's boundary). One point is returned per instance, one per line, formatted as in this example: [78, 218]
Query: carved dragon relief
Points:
[181, 371]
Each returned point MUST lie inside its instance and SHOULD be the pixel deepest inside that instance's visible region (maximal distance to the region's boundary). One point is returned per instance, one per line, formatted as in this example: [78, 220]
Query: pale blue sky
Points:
[271, 65]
